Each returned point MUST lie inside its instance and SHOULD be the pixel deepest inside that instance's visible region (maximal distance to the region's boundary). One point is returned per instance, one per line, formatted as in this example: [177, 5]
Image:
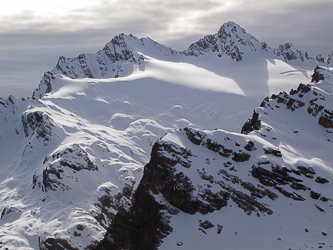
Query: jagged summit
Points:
[107, 59]
[233, 41]
[116, 59]
[289, 53]
[107, 62]
[230, 40]
[236, 32]
[231, 27]
[123, 53]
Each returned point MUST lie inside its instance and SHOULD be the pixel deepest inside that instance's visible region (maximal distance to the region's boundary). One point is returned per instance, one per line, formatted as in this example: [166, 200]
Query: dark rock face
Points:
[228, 41]
[175, 186]
[250, 146]
[279, 176]
[109, 203]
[146, 223]
[283, 98]
[294, 101]
[241, 157]
[326, 119]
[116, 51]
[289, 52]
[317, 75]
[56, 244]
[175, 179]
[142, 229]
[251, 124]
[71, 159]
[45, 85]
[321, 180]
[37, 123]
[271, 151]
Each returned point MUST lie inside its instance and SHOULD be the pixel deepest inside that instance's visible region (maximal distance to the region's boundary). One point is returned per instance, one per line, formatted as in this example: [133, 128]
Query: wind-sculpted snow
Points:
[73, 155]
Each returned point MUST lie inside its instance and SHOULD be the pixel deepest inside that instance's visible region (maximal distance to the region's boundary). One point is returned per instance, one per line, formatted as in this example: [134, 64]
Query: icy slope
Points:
[72, 155]
[265, 189]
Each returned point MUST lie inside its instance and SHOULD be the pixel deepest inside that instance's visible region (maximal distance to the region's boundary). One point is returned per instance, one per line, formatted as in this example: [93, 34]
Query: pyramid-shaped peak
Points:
[231, 27]
[231, 40]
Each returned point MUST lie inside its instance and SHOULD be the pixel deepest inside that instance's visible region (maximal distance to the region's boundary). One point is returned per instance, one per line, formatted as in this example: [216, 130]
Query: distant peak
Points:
[287, 45]
[231, 27]
[230, 24]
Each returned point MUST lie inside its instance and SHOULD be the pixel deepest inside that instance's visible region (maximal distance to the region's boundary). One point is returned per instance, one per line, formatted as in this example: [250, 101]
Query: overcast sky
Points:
[34, 33]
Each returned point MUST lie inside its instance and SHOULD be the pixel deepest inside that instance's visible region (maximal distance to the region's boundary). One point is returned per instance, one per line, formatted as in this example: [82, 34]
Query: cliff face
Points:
[209, 177]
[146, 222]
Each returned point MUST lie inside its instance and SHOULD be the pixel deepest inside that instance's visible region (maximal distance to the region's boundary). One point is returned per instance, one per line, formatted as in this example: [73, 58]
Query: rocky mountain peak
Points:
[289, 53]
[231, 40]
[231, 27]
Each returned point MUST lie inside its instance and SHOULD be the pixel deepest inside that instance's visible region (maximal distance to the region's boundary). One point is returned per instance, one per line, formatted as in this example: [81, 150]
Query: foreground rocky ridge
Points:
[207, 172]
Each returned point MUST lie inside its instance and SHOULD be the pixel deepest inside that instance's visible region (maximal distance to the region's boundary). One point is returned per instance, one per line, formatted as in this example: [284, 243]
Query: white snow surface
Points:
[115, 122]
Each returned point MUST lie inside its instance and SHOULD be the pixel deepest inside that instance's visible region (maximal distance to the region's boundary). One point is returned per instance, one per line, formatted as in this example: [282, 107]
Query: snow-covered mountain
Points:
[125, 52]
[74, 154]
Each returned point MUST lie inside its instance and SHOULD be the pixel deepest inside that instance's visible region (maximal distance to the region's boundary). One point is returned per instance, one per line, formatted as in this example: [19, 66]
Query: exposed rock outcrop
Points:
[231, 40]
[317, 75]
[39, 124]
[251, 124]
[61, 166]
[171, 182]
[289, 52]
[304, 97]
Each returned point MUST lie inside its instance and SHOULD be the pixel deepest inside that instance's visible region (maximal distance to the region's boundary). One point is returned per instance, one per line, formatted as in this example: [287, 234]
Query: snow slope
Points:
[72, 154]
